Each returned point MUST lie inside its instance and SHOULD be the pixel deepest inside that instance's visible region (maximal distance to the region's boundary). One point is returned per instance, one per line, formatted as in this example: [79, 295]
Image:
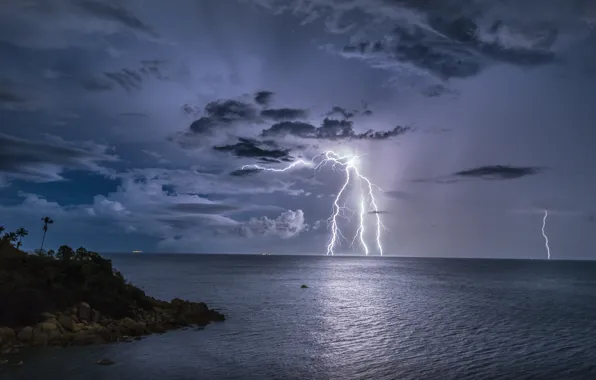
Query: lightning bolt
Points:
[349, 165]
[544, 234]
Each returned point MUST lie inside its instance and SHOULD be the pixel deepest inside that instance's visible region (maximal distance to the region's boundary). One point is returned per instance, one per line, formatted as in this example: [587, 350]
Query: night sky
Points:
[127, 122]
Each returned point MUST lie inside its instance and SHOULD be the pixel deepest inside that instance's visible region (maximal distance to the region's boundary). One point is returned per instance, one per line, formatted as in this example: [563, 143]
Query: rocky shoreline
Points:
[83, 325]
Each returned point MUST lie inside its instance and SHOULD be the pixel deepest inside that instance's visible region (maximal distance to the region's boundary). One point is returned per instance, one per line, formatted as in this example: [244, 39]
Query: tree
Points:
[46, 221]
[9, 237]
[2, 229]
[65, 253]
[21, 233]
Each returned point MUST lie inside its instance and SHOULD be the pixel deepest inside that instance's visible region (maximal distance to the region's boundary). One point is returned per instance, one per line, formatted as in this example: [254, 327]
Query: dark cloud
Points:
[378, 212]
[217, 114]
[244, 172]
[263, 98]
[330, 129]
[191, 111]
[253, 149]
[450, 48]
[129, 79]
[340, 111]
[489, 172]
[296, 128]
[14, 96]
[97, 84]
[114, 13]
[223, 113]
[279, 114]
[202, 208]
[44, 161]
[8, 97]
[230, 110]
[498, 172]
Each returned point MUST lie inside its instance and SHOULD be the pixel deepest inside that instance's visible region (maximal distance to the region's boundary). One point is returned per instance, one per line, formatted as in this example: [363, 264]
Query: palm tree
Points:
[46, 221]
[21, 233]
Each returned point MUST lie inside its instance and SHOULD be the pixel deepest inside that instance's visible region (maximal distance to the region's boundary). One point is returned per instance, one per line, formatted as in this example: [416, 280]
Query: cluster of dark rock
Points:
[83, 325]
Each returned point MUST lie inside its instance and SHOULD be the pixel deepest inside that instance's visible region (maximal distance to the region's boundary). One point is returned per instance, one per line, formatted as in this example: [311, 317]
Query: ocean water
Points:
[361, 318]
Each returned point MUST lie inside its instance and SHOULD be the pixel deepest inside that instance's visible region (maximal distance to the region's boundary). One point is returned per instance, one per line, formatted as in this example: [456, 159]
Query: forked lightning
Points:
[348, 164]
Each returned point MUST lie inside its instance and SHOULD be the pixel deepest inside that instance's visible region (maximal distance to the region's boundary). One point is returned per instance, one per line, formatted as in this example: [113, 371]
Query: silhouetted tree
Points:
[9, 237]
[46, 221]
[65, 253]
[21, 233]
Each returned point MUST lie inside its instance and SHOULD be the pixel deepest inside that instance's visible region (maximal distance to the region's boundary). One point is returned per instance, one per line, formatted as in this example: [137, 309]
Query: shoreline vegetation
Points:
[75, 297]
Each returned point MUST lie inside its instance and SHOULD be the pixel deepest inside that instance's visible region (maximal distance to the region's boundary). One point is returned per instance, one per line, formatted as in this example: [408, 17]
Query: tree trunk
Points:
[42, 240]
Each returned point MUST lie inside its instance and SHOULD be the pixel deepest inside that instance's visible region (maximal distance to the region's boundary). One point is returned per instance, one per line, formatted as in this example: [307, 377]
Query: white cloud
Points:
[287, 225]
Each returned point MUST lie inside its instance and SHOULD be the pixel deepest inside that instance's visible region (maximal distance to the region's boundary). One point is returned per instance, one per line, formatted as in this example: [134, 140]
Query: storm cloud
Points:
[488, 172]
[45, 160]
[330, 129]
[255, 149]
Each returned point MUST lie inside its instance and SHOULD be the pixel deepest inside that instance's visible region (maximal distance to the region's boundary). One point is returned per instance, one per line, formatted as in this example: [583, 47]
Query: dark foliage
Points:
[33, 284]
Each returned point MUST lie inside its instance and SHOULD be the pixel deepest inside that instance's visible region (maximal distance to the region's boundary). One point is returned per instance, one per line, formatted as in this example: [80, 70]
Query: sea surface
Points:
[360, 318]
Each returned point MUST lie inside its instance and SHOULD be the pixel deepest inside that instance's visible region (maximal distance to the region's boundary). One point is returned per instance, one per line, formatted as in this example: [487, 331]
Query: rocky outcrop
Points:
[83, 325]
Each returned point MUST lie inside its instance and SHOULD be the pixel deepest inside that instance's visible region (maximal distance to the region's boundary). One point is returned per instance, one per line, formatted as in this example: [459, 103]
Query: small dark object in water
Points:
[304, 287]
[105, 362]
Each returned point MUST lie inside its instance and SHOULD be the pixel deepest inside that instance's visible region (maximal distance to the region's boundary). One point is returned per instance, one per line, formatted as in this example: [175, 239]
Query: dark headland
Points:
[75, 297]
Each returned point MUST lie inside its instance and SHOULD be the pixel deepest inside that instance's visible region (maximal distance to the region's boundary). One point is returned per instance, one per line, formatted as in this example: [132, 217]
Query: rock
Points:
[47, 315]
[17, 364]
[47, 326]
[105, 362]
[84, 311]
[304, 286]
[26, 334]
[3, 361]
[83, 338]
[7, 334]
[68, 323]
[95, 316]
[40, 338]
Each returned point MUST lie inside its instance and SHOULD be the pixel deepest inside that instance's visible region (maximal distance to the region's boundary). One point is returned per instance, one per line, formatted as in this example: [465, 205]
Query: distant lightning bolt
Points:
[349, 165]
[544, 234]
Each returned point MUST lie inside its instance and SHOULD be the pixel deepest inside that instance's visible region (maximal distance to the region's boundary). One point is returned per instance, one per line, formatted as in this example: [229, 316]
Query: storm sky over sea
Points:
[127, 123]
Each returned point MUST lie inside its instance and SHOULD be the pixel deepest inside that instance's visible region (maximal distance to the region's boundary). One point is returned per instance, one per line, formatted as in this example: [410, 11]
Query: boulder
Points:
[68, 323]
[84, 311]
[47, 315]
[47, 326]
[83, 338]
[26, 334]
[7, 334]
[95, 316]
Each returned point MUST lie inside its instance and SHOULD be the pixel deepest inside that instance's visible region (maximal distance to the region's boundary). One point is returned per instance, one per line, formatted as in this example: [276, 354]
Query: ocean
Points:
[360, 318]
